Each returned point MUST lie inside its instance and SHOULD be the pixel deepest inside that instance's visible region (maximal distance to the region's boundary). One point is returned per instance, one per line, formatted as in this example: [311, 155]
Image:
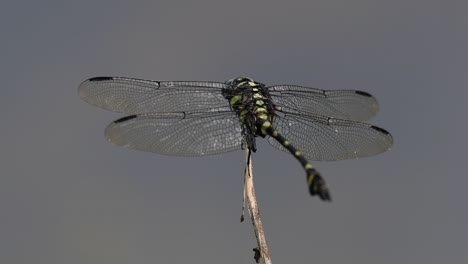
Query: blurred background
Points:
[68, 196]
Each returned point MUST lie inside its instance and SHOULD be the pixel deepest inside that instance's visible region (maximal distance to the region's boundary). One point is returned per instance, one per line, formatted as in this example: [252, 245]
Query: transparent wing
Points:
[325, 139]
[135, 96]
[343, 104]
[178, 134]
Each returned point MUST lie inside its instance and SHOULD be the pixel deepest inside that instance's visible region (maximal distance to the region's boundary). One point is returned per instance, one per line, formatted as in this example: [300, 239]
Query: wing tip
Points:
[100, 79]
[125, 118]
[381, 130]
[387, 135]
[366, 94]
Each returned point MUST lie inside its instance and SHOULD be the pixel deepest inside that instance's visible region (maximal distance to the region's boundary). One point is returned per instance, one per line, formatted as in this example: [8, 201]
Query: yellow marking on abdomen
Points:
[275, 133]
[286, 143]
[308, 166]
[262, 113]
[297, 153]
[310, 179]
[265, 126]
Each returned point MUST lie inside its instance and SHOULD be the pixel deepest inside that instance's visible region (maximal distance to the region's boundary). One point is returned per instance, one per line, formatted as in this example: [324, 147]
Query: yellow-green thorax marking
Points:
[250, 100]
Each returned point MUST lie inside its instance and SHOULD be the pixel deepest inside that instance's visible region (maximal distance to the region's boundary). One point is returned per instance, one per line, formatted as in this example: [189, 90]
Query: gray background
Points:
[68, 196]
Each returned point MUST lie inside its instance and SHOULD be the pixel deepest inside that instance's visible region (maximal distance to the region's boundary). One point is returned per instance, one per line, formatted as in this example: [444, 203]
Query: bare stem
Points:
[261, 252]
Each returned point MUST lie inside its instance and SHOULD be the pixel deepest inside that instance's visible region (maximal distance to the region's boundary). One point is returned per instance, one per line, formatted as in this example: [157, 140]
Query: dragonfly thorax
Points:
[252, 103]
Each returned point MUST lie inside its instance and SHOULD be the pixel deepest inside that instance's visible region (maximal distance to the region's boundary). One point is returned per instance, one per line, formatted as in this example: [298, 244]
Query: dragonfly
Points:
[197, 118]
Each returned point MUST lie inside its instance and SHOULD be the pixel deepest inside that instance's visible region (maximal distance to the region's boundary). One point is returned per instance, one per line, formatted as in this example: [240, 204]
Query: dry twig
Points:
[261, 252]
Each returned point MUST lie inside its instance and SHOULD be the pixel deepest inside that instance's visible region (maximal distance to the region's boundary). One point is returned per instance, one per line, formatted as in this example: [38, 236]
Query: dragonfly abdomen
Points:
[315, 182]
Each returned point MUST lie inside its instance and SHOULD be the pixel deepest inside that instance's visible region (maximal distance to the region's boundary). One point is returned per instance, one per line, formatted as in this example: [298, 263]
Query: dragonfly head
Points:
[236, 82]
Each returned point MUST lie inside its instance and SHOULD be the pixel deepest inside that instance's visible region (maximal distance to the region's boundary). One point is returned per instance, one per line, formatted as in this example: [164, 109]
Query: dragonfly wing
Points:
[326, 139]
[135, 96]
[343, 104]
[178, 134]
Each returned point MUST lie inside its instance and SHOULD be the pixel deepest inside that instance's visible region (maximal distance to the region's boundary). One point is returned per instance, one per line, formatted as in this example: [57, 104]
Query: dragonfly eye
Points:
[245, 79]
[230, 81]
[238, 80]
